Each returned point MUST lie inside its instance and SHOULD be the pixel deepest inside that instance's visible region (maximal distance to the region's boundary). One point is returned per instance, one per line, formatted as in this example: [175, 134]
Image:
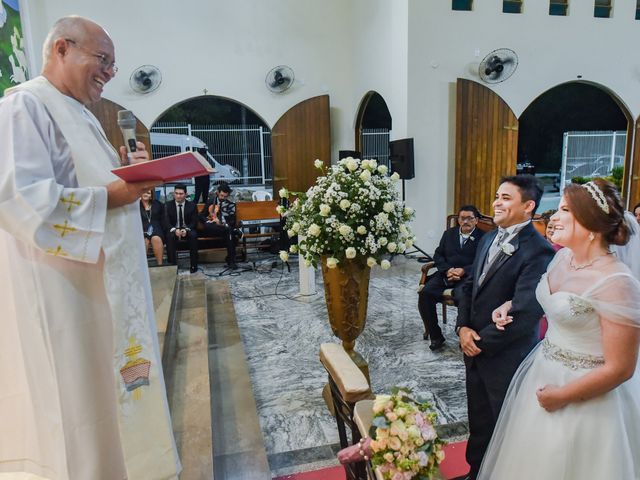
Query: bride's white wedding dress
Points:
[594, 439]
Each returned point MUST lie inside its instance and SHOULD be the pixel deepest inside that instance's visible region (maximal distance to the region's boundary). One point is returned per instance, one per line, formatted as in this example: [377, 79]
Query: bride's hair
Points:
[589, 210]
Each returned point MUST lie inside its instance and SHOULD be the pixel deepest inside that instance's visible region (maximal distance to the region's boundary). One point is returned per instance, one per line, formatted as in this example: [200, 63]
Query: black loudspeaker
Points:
[348, 153]
[401, 156]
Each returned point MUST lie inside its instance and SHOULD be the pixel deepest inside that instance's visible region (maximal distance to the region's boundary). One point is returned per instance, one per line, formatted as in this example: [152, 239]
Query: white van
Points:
[163, 144]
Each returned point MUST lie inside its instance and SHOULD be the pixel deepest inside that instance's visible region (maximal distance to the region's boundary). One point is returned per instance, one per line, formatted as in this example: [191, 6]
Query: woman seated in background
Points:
[151, 211]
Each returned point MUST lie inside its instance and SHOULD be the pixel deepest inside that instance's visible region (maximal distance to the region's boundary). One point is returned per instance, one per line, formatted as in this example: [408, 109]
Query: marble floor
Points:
[282, 331]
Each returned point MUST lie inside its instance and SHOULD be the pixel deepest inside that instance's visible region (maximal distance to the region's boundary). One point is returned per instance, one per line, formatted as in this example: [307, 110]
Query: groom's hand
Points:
[468, 339]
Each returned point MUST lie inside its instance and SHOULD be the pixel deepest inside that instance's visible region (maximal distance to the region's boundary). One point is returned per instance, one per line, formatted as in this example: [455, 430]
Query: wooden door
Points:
[633, 196]
[300, 136]
[107, 112]
[486, 144]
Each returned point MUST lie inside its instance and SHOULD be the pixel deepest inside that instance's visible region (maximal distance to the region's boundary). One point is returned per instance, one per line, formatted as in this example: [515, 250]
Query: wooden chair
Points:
[485, 223]
[348, 386]
[247, 212]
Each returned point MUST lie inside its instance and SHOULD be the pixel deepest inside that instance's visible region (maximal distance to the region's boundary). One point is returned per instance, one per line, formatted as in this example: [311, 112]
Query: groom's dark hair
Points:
[529, 186]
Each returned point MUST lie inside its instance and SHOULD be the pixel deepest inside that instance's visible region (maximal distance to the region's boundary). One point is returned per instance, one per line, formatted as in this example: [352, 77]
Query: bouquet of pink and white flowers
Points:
[403, 442]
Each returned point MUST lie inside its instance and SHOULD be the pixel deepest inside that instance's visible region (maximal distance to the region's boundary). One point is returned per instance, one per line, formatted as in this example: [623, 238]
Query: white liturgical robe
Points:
[82, 394]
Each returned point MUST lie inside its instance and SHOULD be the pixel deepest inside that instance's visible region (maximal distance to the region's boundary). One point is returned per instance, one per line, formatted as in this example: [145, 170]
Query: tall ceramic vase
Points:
[346, 289]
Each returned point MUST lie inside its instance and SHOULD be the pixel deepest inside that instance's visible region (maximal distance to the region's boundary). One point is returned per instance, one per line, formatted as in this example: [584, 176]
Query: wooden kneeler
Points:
[348, 386]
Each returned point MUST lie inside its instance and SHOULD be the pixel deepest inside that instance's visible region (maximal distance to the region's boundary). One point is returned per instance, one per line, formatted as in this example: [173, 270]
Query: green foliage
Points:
[6, 48]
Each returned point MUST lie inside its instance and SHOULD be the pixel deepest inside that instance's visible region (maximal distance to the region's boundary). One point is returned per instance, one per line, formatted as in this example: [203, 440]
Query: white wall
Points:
[225, 47]
[551, 50]
[409, 51]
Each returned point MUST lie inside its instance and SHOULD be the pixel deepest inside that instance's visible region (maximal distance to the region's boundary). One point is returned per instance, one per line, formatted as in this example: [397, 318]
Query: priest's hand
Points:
[139, 156]
[120, 193]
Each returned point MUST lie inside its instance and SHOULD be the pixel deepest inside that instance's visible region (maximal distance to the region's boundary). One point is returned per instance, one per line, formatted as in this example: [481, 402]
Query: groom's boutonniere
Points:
[472, 238]
[508, 248]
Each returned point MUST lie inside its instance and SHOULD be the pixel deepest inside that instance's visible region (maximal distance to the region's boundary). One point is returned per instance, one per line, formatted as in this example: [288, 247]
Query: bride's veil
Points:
[629, 254]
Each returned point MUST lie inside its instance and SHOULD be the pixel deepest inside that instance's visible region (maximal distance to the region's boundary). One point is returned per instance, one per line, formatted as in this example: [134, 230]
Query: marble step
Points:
[238, 446]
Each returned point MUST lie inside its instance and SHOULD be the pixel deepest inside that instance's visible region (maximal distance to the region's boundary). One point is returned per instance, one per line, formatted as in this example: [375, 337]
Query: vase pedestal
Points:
[346, 290]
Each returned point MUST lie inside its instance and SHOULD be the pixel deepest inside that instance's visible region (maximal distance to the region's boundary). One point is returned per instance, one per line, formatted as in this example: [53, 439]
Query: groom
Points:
[507, 266]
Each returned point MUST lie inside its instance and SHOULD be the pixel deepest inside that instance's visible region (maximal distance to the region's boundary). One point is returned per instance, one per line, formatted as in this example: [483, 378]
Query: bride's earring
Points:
[591, 236]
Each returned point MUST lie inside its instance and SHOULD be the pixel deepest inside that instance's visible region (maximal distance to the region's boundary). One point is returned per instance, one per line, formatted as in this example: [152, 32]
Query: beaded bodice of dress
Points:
[573, 322]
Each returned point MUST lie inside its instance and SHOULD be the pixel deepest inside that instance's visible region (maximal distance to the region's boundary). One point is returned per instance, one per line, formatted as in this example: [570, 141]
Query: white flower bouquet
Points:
[403, 442]
[352, 212]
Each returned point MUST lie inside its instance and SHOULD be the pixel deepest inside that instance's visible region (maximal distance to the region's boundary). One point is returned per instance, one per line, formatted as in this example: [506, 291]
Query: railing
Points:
[591, 154]
[247, 148]
[375, 144]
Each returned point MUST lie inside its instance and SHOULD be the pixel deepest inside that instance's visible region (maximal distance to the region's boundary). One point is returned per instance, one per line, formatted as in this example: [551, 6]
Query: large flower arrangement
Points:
[352, 212]
[404, 442]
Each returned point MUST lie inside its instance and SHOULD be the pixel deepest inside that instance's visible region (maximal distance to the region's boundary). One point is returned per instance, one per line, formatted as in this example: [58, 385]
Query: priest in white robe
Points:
[82, 394]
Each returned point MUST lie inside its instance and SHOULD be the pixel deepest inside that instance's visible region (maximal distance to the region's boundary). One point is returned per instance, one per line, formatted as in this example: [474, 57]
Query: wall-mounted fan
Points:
[498, 65]
[279, 78]
[145, 79]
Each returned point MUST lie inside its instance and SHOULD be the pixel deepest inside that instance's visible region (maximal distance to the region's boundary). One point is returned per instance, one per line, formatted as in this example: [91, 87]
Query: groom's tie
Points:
[493, 252]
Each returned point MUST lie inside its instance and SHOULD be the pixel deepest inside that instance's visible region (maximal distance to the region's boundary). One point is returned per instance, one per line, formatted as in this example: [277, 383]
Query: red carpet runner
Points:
[454, 465]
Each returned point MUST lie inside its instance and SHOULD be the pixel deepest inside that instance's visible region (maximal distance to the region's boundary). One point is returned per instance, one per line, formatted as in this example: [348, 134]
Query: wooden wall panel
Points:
[486, 144]
[107, 112]
[633, 197]
[300, 136]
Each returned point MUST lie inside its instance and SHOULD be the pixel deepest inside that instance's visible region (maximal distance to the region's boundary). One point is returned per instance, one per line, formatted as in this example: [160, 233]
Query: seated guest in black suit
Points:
[220, 220]
[152, 214]
[453, 258]
[181, 218]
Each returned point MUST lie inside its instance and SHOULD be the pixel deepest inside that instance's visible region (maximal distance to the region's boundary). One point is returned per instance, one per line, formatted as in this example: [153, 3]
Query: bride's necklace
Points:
[573, 266]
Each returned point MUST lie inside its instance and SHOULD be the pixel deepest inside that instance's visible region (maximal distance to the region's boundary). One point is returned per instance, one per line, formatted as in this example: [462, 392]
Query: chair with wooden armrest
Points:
[347, 385]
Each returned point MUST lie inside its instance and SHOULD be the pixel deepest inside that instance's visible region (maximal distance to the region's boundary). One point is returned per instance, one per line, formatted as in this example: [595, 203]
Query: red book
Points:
[174, 167]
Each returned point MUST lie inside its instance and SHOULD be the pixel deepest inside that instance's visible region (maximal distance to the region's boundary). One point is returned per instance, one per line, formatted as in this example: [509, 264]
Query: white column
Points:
[307, 277]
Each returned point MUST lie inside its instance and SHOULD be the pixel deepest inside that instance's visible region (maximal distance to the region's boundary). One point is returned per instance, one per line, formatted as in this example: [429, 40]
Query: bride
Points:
[572, 410]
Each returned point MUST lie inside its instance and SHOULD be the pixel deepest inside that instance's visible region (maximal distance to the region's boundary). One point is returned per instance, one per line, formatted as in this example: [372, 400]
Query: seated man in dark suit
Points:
[180, 220]
[453, 258]
[220, 221]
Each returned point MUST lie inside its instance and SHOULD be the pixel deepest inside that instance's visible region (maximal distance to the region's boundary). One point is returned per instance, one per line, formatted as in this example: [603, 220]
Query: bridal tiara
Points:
[597, 195]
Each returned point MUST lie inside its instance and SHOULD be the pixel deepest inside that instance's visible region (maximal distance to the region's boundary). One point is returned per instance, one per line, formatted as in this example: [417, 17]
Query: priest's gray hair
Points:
[73, 26]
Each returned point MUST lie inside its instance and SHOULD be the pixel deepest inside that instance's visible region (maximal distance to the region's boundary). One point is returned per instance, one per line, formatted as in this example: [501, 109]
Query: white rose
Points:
[284, 255]
[295, 227]
[352, 164]
[318, 163]
[345, 204]
[350, 252]
[392, 247]
[508, 248]
[332, 262]
[291, 232]
[383, 217]
[365, 176]
[307, 262]
[408, 211]
[395, 177]
[373, 163]
[362, 230]
[403, 229]
[409, 243]
[280, 209]
[388, 207]
[283, 192]
[382, 241]
[293, 249]
[385, 264]
[365, 163]
[371, 262]
[382, 169]
[344, 230]
[313, 230]
[401, 248]
[325, 209]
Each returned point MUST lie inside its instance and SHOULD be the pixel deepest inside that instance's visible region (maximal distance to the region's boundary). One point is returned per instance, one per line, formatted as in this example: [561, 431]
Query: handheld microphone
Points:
[127, 124]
